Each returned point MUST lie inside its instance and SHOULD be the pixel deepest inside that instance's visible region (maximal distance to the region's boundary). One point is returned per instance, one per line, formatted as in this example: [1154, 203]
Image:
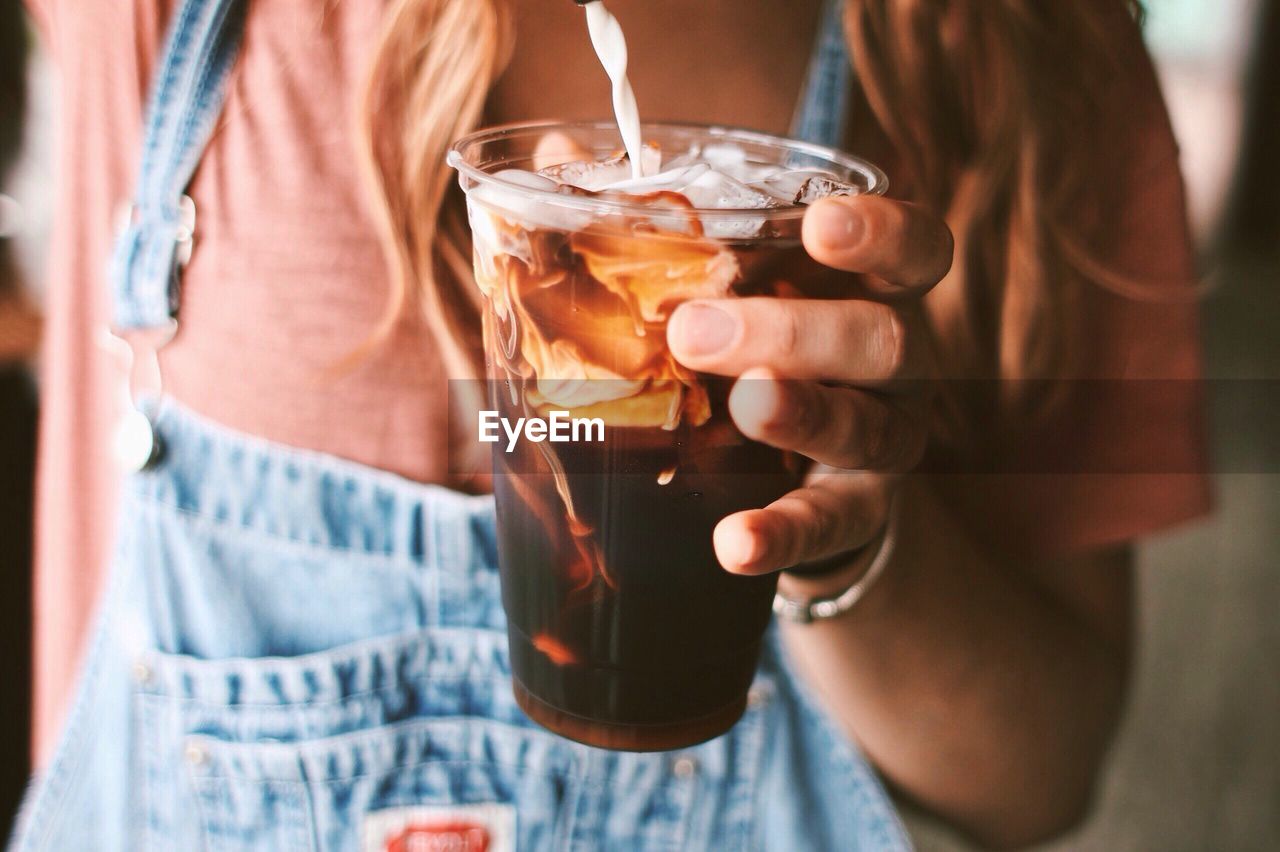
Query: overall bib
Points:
[296, 653]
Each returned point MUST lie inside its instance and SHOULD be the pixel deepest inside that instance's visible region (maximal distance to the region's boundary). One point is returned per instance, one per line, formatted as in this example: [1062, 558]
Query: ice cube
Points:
[707, 189]
[689, 158]
[819, 187]
[595, 175]
[515, 206]
[586, 174]
[732, 160]
[671, 180]
[712, 190]
[786, 184]
[724, 156]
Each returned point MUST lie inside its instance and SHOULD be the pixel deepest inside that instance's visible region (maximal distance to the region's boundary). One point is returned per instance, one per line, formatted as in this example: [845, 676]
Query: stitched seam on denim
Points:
[308, 839]
[217, 70]
[160, 503]
[194, 101]
[195, 55]
[361, 648]
[150, 502]
[160, 108]
[326, 702]
[225, 437]
[390, 769]
[422, 724]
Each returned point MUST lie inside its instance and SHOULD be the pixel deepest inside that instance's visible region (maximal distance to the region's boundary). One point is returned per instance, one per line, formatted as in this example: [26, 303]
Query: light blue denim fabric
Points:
[823, 112]
[290, 642]
[186, 100]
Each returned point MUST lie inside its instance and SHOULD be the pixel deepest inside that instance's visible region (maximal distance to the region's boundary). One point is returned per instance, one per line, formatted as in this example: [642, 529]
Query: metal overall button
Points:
[142, 672]
[194, 754]
[684, 767]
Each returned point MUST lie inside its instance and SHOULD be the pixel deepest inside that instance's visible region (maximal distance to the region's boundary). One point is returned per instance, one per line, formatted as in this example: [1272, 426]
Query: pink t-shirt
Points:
[287, 278]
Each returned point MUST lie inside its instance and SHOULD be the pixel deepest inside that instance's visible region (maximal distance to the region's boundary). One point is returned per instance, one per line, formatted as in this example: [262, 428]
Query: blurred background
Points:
[1197, 764]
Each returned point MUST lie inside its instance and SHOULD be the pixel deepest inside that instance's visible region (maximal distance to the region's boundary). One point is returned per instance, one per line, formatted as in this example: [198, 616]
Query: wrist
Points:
[805, 599]
[829, 576]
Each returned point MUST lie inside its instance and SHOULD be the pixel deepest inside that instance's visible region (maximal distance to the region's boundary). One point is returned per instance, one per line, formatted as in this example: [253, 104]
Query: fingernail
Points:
[744, 550]
[838, 227]
[698, 329]
[754, 552]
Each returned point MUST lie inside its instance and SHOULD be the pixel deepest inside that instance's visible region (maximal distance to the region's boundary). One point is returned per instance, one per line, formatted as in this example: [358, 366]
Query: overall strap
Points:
[187, 94]
[823, 110]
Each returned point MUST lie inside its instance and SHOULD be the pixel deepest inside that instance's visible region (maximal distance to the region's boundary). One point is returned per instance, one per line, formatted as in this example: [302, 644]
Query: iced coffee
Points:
[624, 630]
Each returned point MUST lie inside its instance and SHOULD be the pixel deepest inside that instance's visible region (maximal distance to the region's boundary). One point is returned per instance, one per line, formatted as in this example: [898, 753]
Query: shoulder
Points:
[89, 34]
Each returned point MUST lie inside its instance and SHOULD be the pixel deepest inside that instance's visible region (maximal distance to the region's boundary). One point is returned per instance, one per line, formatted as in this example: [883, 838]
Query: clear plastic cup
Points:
[624, 631]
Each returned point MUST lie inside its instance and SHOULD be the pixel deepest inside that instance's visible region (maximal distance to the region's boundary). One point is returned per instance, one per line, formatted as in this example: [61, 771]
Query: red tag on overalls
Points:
[479, 827]
[441, 837]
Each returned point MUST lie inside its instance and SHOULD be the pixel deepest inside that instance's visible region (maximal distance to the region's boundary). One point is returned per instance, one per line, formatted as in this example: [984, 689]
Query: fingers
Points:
[902, 244]
[853, 341]
[842, 427]
[834, 513]
[556, 148]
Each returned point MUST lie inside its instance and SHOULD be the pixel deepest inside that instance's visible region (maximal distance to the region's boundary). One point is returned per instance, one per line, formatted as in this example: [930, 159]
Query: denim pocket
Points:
[290, 753]
[325, 794]
[302, 753]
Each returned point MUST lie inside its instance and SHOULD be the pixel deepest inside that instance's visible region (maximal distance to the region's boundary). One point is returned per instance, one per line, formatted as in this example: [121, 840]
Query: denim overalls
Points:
[296, 653]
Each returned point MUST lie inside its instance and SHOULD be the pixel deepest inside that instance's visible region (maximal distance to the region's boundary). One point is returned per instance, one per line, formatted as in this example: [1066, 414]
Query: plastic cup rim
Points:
[877, 181]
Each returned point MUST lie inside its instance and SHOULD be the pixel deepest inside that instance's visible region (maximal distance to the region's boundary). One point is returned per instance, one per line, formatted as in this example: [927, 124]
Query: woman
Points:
[314, 637]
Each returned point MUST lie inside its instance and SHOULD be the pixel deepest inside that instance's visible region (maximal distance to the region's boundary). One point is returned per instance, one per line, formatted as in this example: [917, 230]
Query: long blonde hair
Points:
[987, 105]
[433, 66]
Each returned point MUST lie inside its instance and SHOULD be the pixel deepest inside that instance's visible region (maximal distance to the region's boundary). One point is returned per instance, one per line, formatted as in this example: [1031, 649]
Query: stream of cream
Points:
[611, 47]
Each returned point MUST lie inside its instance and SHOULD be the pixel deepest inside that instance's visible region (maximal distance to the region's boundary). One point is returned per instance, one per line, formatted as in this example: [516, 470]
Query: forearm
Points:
[970, 686]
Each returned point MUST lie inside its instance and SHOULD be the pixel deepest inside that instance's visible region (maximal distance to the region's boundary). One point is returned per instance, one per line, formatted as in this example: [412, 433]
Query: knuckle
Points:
[786, 418]
[877, 218]
[894, 441]
[890, 225]
[842, 432]
[822, 529]
[786, 334]
[808, 416]
[795, 509]
[799, 418]
[880, 440]
[888, 343]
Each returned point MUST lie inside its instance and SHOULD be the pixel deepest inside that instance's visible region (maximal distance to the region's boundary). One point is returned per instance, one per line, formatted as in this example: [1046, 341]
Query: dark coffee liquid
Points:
[654, 645]
[625, 632]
